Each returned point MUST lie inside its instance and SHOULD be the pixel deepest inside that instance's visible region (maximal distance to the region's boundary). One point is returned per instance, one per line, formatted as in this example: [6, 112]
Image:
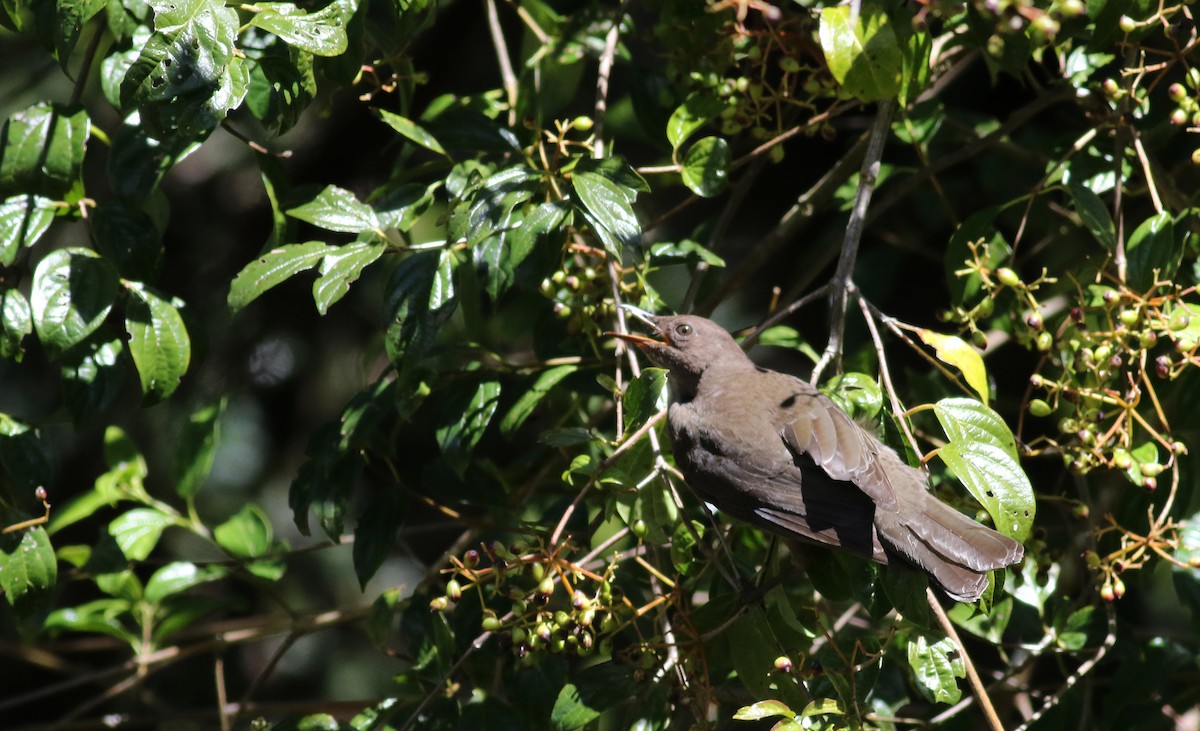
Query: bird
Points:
[771, 450]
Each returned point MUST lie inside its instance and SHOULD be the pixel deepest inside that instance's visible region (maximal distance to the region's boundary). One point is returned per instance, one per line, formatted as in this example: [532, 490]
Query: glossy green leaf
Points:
[697, 110]
[342, 267]
[158, 340]
[855, 393]
[763, 709]
[644, 397]
[399, 207]
[196, 448]
[247, 533]
[138, 161]
[102, 616]
[417, 300]
[1094, 215]
[41, 151]
[1153, 252]
[322, 33]
[138, 530]
[682, 252]
[282, 85]
[706, 166]
[186, 77]
[607, 207]
[864, 56]
[27, 563]
[73, 291]
[411, 130]
[23, 220]
[336, 209]
[272, 268]
[982, 453]
[529, 400]
[957, 352]
[936, 665]
[375, 535]
[16, 321]
[73, 16]
[179, 576]
[463, 421]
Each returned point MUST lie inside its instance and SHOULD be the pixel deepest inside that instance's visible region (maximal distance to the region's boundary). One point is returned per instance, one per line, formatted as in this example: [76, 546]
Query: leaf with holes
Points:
[73, 291]
[982, 453]
[27, 563]
[322, 33]
[937, 665]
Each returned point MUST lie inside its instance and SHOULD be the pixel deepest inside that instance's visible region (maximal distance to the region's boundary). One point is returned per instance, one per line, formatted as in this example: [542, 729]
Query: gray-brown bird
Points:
[771, 450]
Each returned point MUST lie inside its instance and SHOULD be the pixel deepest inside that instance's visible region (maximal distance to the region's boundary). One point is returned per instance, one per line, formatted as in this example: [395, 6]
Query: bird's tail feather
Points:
[956, 551]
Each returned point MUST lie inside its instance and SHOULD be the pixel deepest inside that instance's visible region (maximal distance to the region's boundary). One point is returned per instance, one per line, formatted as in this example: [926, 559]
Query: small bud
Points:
[453, 590]
[1118, 588]
[1127, 24]
[1162, 366]
[40, 493]
[1150, 483]
[579, 600]
[1107, 593]
[439, 604]
[1034, 320]
[471, 558]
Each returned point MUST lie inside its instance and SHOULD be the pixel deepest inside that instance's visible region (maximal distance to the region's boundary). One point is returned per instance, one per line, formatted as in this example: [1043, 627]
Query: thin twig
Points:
[503, 60]
[858, 216]
[985, 703]
[604, 72]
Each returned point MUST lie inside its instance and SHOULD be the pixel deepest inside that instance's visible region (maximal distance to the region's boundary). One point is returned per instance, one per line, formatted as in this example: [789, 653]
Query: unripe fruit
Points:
[583, 123]
[1127, 24]
[1034, 320]
[439, 604]
[40, 493]
[1007, 277]
[1129, 316]
[1039, 407]
[639, 528]
[1118, 588]
[1107, 593]
[453, 590]
[979, 339]
[783, 664]
[1179, 320]
[1045, 341]
[491, 623]
[985, 307]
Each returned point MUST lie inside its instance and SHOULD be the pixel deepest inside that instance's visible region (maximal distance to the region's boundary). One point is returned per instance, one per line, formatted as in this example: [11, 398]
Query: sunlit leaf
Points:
[957, 352]
[73, 291]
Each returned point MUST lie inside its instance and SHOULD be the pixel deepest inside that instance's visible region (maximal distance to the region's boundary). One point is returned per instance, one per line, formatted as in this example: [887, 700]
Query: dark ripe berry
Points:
[40, 493]
[471, 558]
[1077, 314]
[1034, 320]
[579, 600]
[1162, 366]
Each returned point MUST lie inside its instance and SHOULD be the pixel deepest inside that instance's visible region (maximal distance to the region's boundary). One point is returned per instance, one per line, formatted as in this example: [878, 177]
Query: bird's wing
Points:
[816, 429]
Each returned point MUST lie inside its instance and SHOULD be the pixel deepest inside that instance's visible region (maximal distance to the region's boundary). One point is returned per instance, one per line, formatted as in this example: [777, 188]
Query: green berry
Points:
[1127, 24]
[491, 623]
[1007, 277]
[1045, 341]
[1129, 316]
[1038, 407]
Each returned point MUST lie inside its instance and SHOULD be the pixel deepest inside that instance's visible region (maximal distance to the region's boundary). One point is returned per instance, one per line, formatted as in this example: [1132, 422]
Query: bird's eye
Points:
[683, 330]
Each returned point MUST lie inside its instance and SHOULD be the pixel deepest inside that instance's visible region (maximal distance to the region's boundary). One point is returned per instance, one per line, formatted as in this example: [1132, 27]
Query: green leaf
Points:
[591, 692]
[342, 267]
[27, 563]
[400, 207]
[683, 252]
[282, 85]
[706, 165]
[863, 56]
[463, 421]
[565, 437]
[178, 576]
[936, 665]
[763, 709]
[418, 299]
[16, 321]
[247, 533]
[41, 151]
[138, 161]
[336, 209]
[682, 544]
[855, 393]
[375, 536]
[138, 530]
[607, 207]
[23, 454]
[1094, 215]
[23, 220]
[322, 33]
[1152, 252]
[73, 291]
[272, 268]
[696, 111]
[186, 77]
[158, 340]
[197, 446]
[102, 616]
[955, 351]
[644, 397]
[411, 130]
[525, 405]
[982, 453]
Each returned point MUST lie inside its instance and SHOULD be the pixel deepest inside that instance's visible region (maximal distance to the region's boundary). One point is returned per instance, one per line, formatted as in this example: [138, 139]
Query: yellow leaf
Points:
[955, 351]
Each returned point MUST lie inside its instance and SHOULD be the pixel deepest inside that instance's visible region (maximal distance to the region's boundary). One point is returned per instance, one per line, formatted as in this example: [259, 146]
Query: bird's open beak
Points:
[636, 338]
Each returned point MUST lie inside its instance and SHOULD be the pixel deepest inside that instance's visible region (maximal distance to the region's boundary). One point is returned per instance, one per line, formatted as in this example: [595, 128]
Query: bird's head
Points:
[686, 345]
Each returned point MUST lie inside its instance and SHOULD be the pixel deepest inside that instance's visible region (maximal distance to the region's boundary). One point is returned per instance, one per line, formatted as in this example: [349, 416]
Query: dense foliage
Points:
[303, 325]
